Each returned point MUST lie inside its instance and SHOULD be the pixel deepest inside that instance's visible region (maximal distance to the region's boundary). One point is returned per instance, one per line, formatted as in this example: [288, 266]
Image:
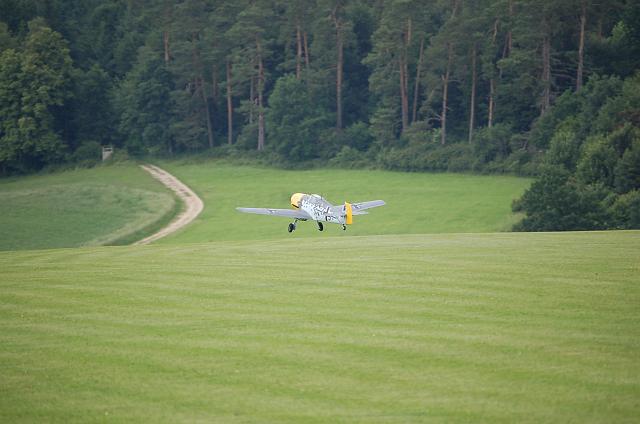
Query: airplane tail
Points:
[348, 211]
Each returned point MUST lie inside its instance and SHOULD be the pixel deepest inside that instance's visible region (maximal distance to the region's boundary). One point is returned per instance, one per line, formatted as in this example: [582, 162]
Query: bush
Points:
[350, 158]
[622, 108]
[396, 159]
[462, 161]
[248, 137]
[581, 110]
[533, 167]
[88, 154]
[330, 142]
[492, 143]
[627, 172]
[554, 202]
[442, 157]
[566, 105]
[597, 162]
[515, 163]
[564, 149]
[622, 138]
[419, 133]
[427, 157]
[357, 136]
[625, 211]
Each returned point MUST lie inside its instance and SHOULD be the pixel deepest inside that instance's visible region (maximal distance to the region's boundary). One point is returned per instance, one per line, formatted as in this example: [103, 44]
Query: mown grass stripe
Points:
[495, 327]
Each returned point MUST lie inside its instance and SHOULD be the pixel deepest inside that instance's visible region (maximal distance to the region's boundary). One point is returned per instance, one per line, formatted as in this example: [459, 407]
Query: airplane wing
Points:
[358, 208]
[290, 213]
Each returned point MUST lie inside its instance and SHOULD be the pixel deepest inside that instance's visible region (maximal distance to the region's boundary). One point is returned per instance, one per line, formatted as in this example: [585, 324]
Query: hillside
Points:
[509, 327]
[416, 203]
[88, 207]
[121, 204]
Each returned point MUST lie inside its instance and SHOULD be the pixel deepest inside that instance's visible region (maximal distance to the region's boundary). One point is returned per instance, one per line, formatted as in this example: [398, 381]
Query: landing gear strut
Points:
[292, 226]
[320, 226]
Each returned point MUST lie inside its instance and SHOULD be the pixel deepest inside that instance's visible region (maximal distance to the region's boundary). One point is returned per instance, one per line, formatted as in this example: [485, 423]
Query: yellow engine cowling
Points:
[296, 198]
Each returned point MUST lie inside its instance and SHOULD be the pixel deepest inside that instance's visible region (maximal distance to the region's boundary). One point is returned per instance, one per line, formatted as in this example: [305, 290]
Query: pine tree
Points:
[190, 51]
[294, 33]
[394, 53]
[443, 53]
[251, 34]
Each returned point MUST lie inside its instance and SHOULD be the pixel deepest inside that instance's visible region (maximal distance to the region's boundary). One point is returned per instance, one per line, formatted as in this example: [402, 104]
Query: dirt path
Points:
[191, 200]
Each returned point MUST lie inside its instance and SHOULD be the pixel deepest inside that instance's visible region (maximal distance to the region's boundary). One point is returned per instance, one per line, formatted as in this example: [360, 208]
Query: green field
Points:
[232, 319]
[416, 203]
[105, 205]
[120, 204]
[509, 327]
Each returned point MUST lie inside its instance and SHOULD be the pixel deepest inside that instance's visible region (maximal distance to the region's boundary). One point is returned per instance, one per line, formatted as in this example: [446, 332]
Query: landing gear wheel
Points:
[320, 226]
[344, 227]
[291, 228]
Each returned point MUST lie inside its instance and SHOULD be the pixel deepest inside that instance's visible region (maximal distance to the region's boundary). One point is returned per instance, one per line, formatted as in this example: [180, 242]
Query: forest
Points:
[529, 87]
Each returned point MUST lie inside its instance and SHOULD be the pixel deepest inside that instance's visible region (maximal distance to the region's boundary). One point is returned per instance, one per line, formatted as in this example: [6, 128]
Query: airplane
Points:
[315, 207]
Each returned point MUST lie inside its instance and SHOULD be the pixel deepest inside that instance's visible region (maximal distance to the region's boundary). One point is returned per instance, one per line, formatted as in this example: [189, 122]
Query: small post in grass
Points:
[107, 152]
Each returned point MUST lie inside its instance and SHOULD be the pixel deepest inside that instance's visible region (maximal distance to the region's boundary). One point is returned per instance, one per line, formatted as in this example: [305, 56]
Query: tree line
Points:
[423, 85]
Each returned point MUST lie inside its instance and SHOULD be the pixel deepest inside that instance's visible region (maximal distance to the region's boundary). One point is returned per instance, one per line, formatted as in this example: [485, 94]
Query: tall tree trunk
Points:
[546, 74]
[583, 24]
[445, 95]
[260, 102]
[492, 80]
[402, 65]
[298, 52]
[510, 33]
[252, 97]
[339, 66]
[165, 32]
[165, 44]
[199, 84]
[445, 81]
[455, 8]
[404, 92]
[229, 105]
[403, 95]
[214, 82]
[472, 106]
[508, 42]
[305, 38]
[167, 58]
[416, 89]
[492, 93]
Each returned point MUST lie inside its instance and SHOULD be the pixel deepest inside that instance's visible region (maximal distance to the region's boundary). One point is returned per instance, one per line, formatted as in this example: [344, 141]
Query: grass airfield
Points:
[416, 203]
[120, 204]
[372, 325]
[452, 327]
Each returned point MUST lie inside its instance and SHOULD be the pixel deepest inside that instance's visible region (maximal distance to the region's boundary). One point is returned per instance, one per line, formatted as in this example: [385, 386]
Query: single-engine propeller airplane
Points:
[316, 208]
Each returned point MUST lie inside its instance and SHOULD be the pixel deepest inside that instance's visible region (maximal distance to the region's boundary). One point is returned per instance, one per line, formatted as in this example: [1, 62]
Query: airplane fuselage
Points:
[319, 208]
[315, 207]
